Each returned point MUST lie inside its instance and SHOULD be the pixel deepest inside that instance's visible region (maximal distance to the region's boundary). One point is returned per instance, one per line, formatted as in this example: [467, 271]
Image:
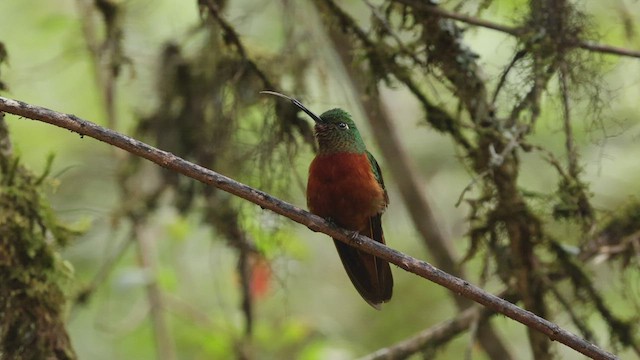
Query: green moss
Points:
[625, 222]
[32, 274]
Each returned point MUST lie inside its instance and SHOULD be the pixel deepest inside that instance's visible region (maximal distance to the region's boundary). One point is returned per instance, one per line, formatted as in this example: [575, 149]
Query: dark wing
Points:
[378, 174]
[385, 280]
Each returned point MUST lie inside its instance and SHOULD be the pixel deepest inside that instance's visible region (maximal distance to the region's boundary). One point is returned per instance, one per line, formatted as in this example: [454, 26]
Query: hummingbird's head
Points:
[335, 130]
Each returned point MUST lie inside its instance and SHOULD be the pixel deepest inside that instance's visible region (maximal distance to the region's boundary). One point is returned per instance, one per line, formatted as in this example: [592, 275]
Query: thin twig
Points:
[469, 186]
[146, 252]
[569, 307]
[608, 49]
[437, 334]
[425, 6]
[514, 31]
[572, 157]
[503, 77]
[6, 148]
[313, 222]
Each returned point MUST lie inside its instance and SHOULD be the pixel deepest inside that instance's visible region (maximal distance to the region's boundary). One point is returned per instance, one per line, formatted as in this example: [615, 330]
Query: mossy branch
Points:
[516, 31]
[313, 222]
[33, 278]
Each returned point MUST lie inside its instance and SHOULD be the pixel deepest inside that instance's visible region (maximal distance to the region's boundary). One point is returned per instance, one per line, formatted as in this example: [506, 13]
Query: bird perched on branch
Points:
[346, 187]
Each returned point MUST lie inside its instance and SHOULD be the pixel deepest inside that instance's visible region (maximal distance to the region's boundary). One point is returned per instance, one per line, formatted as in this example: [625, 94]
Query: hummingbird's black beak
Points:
[295, 102]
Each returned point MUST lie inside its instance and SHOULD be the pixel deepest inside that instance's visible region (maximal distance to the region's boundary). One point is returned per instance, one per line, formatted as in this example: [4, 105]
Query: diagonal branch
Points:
[435, 335]
[313, 222]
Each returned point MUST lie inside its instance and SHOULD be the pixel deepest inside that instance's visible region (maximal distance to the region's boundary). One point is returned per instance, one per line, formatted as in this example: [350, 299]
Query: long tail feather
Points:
[370, 275]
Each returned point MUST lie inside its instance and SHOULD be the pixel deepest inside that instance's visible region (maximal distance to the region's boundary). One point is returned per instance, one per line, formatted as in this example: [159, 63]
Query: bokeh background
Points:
[303, 304]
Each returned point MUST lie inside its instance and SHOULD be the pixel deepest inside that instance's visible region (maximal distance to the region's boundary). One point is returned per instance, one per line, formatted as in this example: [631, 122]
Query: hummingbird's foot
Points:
[353, 234]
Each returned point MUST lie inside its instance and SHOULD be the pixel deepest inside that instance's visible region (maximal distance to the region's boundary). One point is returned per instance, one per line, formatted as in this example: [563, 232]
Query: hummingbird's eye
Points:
[343, 126]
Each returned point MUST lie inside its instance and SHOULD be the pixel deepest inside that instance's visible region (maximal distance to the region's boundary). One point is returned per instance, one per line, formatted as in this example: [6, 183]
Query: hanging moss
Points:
[32, 274]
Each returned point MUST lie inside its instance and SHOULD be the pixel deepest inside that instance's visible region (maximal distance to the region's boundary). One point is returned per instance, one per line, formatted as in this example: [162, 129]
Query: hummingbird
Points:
[345, 186]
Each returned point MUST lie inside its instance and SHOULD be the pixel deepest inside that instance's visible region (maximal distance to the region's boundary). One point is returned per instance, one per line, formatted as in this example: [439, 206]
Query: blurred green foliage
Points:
[309, 311]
